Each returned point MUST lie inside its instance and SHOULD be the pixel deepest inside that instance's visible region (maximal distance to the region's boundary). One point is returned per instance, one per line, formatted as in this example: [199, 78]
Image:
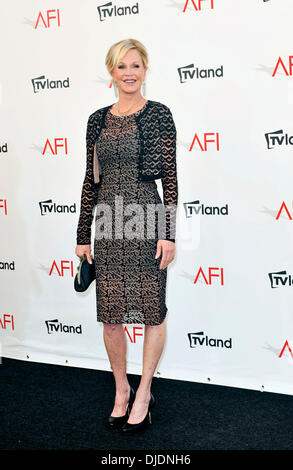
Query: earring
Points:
[143, 88]
[115, 88]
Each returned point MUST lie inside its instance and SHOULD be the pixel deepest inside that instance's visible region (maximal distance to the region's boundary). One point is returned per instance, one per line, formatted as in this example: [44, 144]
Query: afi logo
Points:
[3, 206]
[135, 330]
[285, 208]
[206, 140]
[63, 267]
[58, 142]
[281, 64]
[5, 320]
[197, 4]
[286, 345]
[208, 278]
[47, 17]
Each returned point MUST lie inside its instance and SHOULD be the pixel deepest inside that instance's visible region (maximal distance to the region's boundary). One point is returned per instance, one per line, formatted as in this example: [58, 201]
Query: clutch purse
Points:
[85, 274]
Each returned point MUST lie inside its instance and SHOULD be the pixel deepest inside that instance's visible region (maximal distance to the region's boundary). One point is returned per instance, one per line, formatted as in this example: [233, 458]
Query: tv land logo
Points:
[202, 143]
[41, 83]
[280, 279]
[3, 148]
[6, 321]
[54, 326]
[7, 266]
[49, 207]
[108, 10]
[208, 277]
[189, 72]
[200, 339]
[197, 4]
[278, 138]
[195, 207]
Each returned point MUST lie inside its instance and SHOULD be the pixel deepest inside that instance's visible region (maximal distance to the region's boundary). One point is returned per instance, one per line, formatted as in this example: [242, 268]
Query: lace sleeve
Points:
[89, 188]
[169, 172]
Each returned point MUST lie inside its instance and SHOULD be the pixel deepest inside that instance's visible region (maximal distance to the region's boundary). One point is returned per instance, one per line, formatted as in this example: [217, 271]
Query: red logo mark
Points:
[210, 275]
[206, 140]
[281, 64]
[286, 345]
[3, 204]
[7, 318]
[283, 206]
[54, 147]
[199, 2]
[63, 267]
[135, 334]
[47, 18]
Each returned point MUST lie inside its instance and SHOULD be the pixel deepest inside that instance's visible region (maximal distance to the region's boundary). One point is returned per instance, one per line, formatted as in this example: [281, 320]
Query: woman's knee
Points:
[112, 329]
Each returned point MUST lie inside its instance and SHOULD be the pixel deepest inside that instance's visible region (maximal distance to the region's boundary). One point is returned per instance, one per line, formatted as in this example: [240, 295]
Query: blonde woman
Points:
[130, 144]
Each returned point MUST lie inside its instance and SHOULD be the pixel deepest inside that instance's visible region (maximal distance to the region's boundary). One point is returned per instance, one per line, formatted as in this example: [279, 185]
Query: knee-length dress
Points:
[130, 286]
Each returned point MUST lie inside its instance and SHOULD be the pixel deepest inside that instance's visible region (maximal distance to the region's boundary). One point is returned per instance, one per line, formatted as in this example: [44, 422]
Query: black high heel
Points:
[115, 422]
[127, 427]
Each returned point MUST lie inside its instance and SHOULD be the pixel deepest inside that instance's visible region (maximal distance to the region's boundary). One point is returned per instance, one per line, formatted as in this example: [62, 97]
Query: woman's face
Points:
[130, 72]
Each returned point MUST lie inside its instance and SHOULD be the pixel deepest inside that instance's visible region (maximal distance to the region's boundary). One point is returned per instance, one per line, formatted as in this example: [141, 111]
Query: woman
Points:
[129, 145]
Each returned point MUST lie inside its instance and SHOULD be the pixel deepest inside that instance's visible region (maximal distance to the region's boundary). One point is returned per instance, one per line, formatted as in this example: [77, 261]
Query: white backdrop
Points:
[225, 69]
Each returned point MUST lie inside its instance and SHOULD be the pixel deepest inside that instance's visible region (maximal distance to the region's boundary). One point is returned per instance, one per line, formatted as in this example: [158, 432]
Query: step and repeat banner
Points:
[225, 69]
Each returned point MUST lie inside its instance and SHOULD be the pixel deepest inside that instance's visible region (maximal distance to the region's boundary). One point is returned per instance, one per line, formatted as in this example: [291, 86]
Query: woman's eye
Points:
[121, 66]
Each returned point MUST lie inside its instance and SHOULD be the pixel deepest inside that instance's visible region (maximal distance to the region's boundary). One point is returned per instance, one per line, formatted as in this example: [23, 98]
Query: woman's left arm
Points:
[168, 136]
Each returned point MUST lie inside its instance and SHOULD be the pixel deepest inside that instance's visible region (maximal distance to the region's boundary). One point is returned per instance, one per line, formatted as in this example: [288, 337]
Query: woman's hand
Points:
[168, 249]
[84, 249]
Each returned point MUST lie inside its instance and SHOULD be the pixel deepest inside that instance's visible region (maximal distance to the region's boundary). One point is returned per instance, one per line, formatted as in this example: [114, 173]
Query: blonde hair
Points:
[119, 49]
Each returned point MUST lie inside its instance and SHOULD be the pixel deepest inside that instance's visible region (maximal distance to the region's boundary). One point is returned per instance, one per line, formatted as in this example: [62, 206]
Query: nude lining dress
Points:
[130, 286]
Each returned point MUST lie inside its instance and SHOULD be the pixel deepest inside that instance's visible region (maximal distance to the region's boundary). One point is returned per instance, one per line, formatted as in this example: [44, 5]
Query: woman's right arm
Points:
[88, 196]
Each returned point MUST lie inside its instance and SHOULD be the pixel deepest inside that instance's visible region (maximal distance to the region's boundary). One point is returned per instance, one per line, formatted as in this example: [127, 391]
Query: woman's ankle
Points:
[121, 389]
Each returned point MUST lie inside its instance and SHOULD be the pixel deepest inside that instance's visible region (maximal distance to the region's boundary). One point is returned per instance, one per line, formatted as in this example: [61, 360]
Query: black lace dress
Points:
[130, 286]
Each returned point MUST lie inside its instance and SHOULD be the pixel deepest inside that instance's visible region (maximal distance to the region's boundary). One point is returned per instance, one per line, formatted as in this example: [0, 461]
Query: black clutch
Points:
[85, 274]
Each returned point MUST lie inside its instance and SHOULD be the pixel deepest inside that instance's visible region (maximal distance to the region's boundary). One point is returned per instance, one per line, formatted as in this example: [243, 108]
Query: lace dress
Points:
[130, 286]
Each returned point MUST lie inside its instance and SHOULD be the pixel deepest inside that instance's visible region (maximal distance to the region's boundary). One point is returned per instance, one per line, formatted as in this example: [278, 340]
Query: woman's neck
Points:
[127, 100]
[128, 106]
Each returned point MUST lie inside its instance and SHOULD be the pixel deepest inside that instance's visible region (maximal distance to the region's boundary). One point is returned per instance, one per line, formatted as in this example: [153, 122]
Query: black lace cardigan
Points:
[157, 160]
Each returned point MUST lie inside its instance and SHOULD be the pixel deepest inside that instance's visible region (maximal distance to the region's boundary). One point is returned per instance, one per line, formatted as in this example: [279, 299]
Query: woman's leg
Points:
[115, 342]
[154, 340]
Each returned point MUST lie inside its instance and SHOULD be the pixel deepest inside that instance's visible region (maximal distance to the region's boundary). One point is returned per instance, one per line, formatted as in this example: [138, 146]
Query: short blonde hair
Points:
[119, 49]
